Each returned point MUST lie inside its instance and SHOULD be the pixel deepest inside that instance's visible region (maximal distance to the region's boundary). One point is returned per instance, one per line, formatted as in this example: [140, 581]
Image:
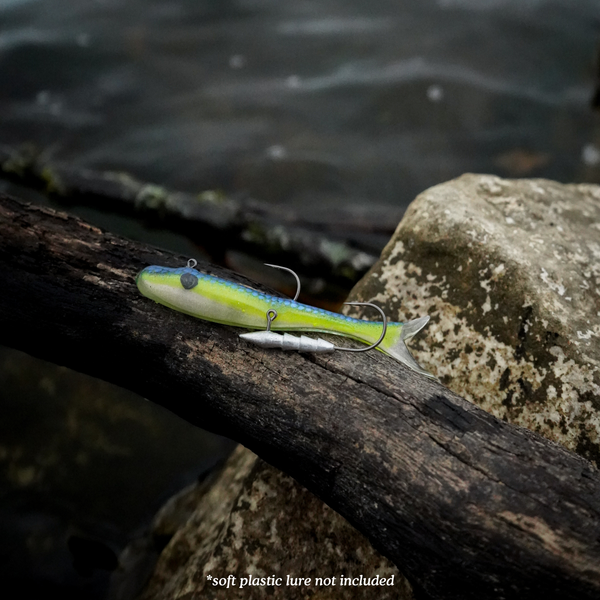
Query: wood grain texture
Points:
[466, 505]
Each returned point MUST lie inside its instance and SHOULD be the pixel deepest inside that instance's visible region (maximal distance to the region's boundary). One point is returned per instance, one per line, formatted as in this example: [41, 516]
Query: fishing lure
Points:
[221, 301]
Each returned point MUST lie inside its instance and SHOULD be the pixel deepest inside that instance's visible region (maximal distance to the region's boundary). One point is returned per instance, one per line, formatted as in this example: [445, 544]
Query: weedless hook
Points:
[285, 341]
[226, 301]
[273, 313]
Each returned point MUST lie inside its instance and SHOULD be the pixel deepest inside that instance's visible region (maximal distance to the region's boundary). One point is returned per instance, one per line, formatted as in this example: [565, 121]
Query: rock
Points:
[255, 520]
[510, 273]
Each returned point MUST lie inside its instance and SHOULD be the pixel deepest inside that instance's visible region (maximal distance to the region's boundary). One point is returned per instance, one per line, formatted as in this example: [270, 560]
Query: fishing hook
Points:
[294, 274]
[286, 341]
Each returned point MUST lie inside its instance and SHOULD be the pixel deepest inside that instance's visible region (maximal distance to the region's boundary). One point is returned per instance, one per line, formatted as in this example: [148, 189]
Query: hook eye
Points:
[271, 316]
[188, 281]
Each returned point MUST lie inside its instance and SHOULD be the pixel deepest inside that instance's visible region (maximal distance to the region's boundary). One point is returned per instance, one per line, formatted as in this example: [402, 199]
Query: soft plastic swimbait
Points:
[221, 301]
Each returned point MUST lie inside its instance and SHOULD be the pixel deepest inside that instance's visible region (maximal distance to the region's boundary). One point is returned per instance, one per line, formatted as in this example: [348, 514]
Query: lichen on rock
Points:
[510, 273]
[256, 521]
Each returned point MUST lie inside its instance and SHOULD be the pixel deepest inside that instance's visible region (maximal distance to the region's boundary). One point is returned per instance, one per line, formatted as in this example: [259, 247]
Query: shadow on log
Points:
[466, 505]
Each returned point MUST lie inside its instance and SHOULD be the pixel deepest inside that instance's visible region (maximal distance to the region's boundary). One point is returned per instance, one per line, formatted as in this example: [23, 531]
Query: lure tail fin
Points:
[400, 351]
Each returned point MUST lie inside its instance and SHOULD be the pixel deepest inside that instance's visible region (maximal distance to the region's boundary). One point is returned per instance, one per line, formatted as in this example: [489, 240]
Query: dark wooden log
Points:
[466, 505]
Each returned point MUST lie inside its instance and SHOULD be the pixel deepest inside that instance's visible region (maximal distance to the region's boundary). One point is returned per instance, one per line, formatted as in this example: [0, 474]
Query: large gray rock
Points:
[255, 520]
[509, 271]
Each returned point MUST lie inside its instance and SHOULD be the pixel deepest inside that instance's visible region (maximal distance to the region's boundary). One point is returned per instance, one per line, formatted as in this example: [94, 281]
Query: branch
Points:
[466, 505]
[340, 244]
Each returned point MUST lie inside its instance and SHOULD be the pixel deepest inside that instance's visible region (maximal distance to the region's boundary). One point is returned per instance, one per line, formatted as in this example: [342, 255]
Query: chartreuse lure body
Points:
[221, 301]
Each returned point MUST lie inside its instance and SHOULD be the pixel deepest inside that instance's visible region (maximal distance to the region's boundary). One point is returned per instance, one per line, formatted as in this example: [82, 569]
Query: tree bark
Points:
[466, 505]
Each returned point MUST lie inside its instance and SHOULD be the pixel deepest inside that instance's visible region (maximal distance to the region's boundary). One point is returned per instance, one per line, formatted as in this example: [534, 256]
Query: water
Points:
[304, 102]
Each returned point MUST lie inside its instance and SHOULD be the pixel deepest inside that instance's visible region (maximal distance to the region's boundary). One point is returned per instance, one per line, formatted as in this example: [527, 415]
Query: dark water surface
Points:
[297, 102]
[301, 101]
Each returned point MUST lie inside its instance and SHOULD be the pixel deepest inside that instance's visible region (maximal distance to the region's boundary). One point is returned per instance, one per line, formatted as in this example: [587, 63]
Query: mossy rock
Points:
[256, 521]
[509, 271]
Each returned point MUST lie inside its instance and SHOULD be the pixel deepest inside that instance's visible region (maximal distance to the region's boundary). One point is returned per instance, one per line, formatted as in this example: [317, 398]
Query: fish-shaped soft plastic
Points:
[221, 301]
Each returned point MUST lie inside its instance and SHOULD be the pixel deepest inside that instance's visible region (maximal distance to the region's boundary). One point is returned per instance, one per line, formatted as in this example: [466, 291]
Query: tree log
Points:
[340, 245]
[466, 505]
